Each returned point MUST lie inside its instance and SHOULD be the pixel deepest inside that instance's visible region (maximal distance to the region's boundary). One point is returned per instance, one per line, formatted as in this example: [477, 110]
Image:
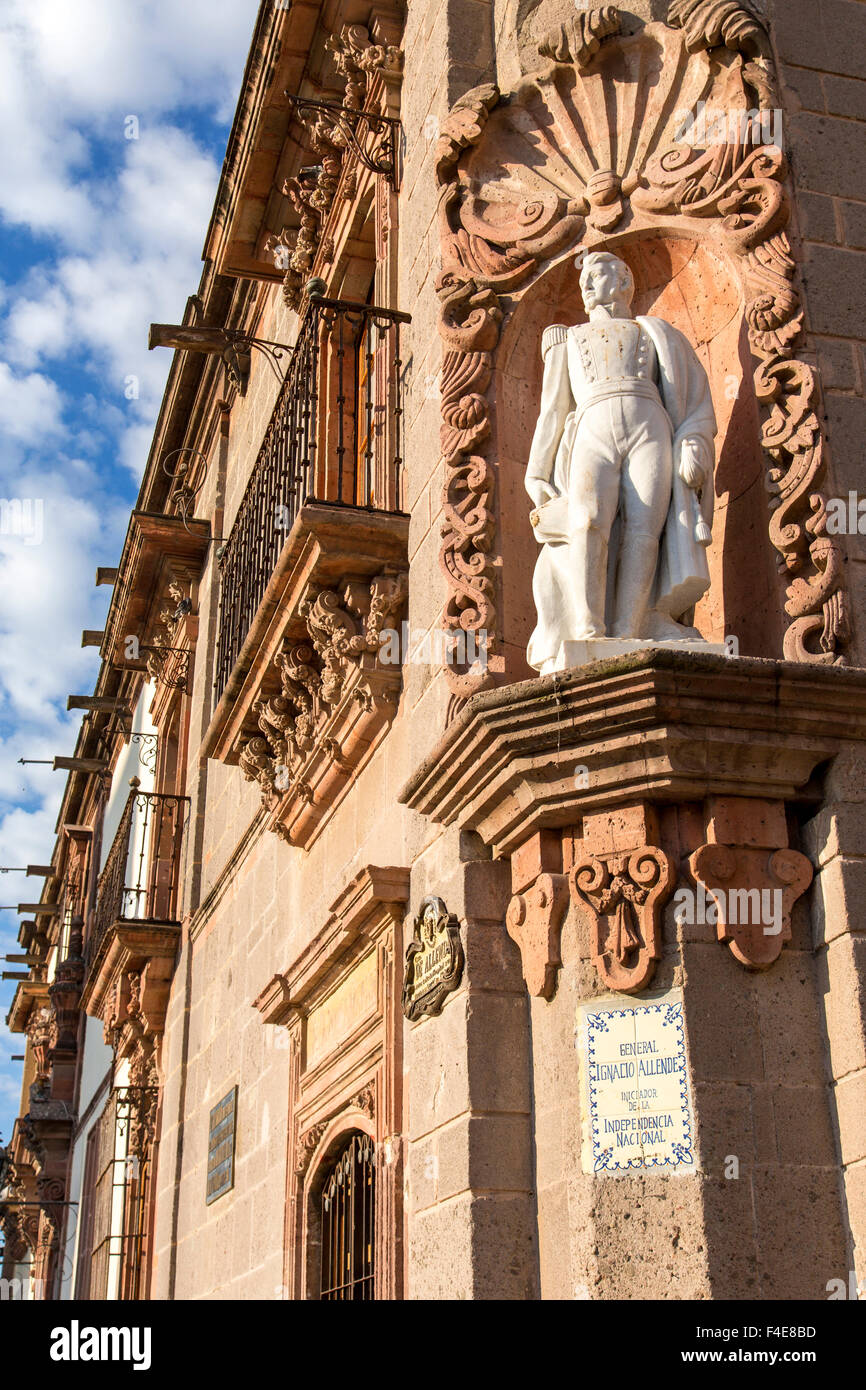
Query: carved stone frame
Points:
[356, 1085]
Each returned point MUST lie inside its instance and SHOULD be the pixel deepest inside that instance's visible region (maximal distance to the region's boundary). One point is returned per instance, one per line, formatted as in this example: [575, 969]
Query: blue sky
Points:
[100, 235]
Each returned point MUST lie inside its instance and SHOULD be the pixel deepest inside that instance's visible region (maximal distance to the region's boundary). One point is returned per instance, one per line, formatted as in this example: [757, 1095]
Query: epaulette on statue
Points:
[551, 336]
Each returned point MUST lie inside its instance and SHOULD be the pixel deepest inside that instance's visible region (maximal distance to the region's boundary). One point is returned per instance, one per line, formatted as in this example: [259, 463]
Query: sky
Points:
[113, 125]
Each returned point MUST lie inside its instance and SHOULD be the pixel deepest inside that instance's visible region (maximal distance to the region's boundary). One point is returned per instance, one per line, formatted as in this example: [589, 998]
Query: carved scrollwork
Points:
[336, 129]
[463, 126]
[308, 1142]
[624, 893]
[558, 162]
[345, 633]
[709, 23]
[754, 891]
[579, 38]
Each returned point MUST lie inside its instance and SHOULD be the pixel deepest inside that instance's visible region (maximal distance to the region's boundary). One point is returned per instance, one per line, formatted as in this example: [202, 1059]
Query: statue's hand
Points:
[693, 461]
[539, 491]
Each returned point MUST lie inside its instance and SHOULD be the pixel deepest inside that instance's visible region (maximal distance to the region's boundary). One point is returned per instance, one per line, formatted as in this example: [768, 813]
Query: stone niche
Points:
[693, 286]
[597, 148]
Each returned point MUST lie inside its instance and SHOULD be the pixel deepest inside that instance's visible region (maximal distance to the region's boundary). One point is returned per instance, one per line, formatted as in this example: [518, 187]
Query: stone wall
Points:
[496, 1203]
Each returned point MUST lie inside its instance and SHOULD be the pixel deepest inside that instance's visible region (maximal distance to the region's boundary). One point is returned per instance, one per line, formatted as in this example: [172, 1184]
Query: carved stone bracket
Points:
[753, 884]
[625, 893]
[595, 138]
[335, 693]
[754, 891]
[534, 920]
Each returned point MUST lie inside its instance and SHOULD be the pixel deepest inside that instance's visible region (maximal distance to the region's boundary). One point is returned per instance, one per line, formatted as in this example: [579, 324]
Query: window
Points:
[118, 1219]
[348, 1223]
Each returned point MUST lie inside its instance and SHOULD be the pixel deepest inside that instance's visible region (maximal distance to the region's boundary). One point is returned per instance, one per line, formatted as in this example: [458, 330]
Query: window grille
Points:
[349, 1223]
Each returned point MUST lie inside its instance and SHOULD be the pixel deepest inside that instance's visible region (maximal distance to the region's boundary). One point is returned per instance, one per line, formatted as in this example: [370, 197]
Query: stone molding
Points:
[371, 902]
[657, 726]
[636, 175]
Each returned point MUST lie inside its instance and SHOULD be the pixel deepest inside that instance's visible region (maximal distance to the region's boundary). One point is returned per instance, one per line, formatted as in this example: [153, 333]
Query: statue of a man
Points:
[620, 474]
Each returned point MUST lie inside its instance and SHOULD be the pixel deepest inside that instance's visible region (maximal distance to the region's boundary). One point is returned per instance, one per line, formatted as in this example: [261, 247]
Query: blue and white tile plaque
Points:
[637, 1105]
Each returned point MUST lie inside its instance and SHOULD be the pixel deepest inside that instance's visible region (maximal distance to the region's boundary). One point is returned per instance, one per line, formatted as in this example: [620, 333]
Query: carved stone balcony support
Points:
[312, 690]
[134, 932]
[152, 622]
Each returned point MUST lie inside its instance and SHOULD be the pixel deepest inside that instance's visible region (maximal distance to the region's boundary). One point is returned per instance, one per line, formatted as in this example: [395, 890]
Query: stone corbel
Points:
[536, 912]
[620, 882]
[747, 868]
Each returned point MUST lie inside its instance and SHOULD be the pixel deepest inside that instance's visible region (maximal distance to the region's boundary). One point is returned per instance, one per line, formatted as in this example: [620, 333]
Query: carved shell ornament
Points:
[602, 138]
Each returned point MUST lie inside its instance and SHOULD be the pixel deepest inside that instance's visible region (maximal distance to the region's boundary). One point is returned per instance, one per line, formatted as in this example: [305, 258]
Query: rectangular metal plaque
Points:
[221, 1147]
[637, 1106]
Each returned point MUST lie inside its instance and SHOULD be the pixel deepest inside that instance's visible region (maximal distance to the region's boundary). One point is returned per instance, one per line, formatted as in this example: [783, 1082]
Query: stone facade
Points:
[405, 190]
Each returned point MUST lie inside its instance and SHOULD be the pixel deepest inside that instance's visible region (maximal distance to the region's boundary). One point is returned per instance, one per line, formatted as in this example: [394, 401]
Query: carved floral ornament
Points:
[337, 670]
[589, 144]
[310, 1139]
[333, 135]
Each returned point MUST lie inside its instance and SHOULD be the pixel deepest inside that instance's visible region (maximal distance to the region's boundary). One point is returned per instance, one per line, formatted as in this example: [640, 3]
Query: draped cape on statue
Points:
[683, 574]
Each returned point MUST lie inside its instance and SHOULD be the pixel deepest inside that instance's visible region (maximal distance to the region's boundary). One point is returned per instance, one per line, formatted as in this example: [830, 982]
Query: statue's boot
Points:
[588, 557]
[638, 559]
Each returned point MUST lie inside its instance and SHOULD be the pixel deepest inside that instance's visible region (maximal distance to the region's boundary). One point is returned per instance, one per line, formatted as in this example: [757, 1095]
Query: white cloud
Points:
[66, 67]
[122, 223]
[29, 405]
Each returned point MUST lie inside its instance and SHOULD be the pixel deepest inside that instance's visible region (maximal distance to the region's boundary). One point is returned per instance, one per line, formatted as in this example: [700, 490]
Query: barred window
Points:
[348, 1223]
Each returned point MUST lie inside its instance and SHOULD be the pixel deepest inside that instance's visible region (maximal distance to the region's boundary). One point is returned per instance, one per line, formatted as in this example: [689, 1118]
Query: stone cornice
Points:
[657, 726]
[375, 898]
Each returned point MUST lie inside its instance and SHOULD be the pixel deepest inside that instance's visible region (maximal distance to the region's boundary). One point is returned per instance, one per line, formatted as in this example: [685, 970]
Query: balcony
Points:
[135, 925]
[314, 570]
[334, 439]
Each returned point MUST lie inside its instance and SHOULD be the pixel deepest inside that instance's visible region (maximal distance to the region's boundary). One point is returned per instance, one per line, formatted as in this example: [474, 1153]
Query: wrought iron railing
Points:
[334, 437]
[140, 879]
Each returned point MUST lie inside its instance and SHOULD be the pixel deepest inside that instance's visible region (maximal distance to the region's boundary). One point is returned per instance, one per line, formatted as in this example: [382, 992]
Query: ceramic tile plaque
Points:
[635, 1095]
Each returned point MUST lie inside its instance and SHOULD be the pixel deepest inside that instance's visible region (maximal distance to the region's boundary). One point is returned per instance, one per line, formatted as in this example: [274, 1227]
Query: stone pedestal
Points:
[650, 808]
[575, 654]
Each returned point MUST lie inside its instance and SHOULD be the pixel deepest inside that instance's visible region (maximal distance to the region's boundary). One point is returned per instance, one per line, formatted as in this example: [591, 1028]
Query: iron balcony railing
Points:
[139, 882]
[334, 437]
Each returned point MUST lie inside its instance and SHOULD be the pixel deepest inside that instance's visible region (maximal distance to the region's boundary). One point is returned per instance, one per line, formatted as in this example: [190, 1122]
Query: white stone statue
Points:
[621, 477]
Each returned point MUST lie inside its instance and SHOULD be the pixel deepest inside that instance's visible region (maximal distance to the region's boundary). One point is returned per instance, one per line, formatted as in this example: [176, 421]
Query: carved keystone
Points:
[754, 890]
[625, 894]
[534, 920]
